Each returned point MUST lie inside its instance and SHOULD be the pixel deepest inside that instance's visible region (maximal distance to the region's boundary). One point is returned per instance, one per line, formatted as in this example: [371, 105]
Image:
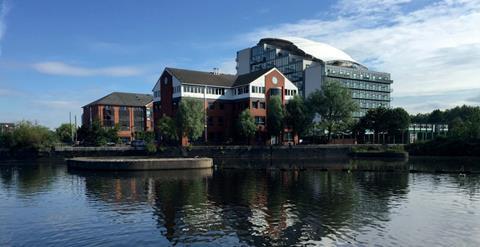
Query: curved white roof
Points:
[319, 50]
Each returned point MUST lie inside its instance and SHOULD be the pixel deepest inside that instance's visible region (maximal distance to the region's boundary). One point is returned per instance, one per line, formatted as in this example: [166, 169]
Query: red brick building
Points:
[225, 97]
[131, 112]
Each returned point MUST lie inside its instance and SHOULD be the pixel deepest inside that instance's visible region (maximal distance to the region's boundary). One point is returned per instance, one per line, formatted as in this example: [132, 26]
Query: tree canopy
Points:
[96, 135]
[246, 125]
[463, 121]
[298, 115]
[275, 116]
[168, 129]
[65, 132]
[190, 118]
[334, 104]
[27, 136]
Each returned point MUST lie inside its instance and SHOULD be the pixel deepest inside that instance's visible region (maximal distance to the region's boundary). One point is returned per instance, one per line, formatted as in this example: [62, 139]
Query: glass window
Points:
[259, 120]
[139, 119]
[124, 118]
[220, 121]
[211, 105]
[108, 116]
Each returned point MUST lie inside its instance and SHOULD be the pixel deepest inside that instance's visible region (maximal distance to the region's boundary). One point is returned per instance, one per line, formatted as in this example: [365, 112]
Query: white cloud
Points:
[60, 68]
[4, 9]
[432, 49]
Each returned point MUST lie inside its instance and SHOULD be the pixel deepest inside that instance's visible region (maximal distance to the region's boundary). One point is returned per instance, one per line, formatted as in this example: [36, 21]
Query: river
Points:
[43, 203]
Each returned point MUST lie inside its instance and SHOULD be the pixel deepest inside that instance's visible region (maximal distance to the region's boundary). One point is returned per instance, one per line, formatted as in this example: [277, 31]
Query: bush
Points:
[151, 148]
[443, 146]
[96, 135]
[28, 137]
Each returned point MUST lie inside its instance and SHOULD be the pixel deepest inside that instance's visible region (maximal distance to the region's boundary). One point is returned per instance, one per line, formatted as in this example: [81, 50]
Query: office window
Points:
[220, 121]
[139, 119]
[259, 120]
[255, 104]
[108, 116]
[211, 105]
[262, 105]
[210, 121]
[124, 118]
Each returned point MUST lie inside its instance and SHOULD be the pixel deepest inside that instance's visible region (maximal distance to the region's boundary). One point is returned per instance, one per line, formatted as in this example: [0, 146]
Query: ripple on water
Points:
[46, 206]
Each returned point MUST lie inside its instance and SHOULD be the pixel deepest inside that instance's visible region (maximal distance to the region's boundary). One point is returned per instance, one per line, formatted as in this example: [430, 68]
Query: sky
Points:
[56, 55]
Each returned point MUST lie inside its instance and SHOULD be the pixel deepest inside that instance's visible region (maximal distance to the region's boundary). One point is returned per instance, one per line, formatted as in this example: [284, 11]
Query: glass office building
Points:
[309, 64]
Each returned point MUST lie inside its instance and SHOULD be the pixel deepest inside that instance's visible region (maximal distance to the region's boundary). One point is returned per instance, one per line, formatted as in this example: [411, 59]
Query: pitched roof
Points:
[208, 78]
[247, 78]
[124, 99]
[202, 78]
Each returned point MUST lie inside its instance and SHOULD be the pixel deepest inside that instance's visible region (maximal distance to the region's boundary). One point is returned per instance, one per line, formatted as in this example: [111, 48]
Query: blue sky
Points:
[56, 56]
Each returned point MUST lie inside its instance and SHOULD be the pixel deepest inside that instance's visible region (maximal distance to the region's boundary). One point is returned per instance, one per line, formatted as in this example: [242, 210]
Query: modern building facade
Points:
[224, 97]
[309, 64]
[131, 112]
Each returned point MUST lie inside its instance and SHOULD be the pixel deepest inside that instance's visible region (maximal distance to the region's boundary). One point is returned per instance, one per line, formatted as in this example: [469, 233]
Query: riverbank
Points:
[298, 152]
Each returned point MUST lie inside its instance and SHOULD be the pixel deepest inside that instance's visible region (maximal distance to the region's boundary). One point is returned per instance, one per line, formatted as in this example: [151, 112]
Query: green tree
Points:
[96, 135]
[149, 138]
[397, 121]
[334, 105]
[436, 117]
[168, 129]
[190, 118]
[64, 132]
[384, 120]
[298, 115]
[275, 116]
[246, 125]
[27, 136]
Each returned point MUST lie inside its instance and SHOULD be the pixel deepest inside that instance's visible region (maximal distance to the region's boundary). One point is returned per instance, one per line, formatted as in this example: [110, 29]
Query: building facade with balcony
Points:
[224, 97]
[309, 64]
[131, 112]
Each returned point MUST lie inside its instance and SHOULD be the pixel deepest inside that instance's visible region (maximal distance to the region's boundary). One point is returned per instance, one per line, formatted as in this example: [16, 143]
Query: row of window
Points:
[259, 120]
[357, 75]
[242, 90]
[258, 104]
[372, 104]
[290, 92]
[211, 105]
[124, 118]
[256, 89]
[370, 95]
[220, 121]
[177, 89]
[223, 91]
[366, 85]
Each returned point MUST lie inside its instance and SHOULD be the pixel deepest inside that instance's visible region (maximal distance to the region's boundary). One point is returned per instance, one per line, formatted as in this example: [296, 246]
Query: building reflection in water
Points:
[258, 207]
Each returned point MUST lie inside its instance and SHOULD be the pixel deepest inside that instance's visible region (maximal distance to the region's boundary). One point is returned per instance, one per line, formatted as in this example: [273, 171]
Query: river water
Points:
[44, 204]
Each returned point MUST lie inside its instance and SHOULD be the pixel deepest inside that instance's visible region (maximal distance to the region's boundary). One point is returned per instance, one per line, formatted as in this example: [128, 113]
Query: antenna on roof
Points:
[216, 71]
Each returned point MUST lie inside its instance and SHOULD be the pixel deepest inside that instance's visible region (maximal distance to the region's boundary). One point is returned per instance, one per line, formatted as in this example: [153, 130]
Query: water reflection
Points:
[254, 207]
[235, 207]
